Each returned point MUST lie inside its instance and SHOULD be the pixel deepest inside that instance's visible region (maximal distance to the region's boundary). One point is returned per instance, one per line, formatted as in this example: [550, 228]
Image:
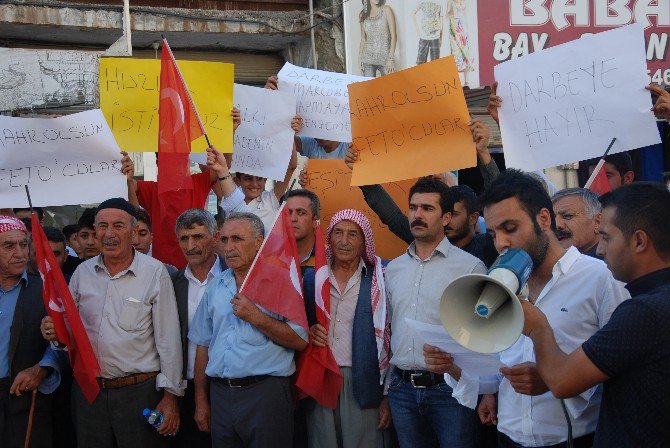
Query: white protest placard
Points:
[263, 142]
[63, 161]
[566, 103]
[323, 100]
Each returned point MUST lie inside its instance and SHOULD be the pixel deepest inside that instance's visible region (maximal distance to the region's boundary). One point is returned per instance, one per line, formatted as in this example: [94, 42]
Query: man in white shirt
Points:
[422, 407]
[576, 292]
[197, 234]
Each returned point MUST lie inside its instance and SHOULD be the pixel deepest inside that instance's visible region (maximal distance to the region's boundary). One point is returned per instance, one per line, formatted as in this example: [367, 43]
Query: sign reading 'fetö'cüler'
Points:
[67, 160]
[410, 124]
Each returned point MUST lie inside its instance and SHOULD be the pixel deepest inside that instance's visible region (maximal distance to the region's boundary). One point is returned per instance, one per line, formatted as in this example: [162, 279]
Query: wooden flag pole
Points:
[29, 430]
[599, 166]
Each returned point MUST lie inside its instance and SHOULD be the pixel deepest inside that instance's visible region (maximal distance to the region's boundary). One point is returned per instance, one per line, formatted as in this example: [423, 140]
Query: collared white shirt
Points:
[578, 300]
[265, 206]
[414, 288]
[196, 289]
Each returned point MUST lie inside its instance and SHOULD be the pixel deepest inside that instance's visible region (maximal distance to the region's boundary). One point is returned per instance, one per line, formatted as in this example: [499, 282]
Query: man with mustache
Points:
[461, 229]
[244, 359]
[423, 410]
[358, 336]
[26, 361]
[578, 219]
[576, 292]
[128, 308]
[197, 234]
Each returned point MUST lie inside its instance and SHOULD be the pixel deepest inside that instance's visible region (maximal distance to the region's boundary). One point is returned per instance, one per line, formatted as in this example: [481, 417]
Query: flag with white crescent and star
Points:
[59, 304]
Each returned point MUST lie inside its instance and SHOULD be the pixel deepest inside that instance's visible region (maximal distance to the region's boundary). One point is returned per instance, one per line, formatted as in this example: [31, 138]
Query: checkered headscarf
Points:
[8, 223]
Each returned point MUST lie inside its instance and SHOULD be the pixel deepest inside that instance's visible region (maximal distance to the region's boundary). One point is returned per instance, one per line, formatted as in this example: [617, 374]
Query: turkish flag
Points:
[274, 280]
[178, 125]
[61, 307]
[598, 182]
[318, 374]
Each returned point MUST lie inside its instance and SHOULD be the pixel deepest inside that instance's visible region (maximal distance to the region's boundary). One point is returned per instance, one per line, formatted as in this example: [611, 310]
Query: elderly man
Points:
[360, 349]
[128, 308]
[197, 235]
[578, 294]
[26, 361]
[424, 412]
[577, 219]
[245, 350]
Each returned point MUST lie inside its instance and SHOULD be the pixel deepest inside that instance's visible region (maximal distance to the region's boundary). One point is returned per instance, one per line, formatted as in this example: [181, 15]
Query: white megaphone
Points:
[482, 312]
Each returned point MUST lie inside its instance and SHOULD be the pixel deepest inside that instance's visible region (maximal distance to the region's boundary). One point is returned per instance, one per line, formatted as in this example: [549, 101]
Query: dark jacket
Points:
[26, 348]
[364, 361]
[180, 285]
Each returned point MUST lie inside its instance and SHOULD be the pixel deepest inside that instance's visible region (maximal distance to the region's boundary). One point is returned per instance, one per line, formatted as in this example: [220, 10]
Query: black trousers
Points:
[14, 413]
[259, 415]
[189, 436]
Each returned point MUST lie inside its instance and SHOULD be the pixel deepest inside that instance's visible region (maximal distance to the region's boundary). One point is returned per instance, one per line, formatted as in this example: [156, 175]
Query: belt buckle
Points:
[102, 383]
[412, 376]
[230, 384]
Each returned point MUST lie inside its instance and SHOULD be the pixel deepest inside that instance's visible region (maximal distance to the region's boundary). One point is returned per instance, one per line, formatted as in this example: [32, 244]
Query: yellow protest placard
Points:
[410, 124]
[129, 90]
[330, 179]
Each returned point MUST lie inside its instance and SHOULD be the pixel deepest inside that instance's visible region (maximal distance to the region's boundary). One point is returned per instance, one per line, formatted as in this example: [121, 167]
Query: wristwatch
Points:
[227, 176]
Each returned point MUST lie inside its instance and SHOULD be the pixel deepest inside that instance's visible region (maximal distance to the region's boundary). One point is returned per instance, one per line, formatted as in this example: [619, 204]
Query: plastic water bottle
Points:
[153, 417]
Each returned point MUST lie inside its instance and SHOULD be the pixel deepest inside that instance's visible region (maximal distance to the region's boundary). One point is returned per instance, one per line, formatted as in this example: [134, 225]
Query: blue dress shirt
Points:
[236, 348]
[312, 150]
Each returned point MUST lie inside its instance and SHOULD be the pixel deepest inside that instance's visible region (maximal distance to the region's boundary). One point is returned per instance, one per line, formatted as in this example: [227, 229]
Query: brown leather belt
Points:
[115, 383]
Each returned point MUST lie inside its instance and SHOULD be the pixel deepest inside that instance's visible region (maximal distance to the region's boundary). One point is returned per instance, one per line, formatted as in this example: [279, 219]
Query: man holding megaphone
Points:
[631, 354]
[576, 292]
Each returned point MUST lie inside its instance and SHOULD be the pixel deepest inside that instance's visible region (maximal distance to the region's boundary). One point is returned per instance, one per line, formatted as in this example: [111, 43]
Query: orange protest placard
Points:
[410, 124]
[330, 179]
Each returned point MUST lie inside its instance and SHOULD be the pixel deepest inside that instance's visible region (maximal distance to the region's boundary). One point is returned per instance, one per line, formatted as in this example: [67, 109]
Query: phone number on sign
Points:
[660, 76]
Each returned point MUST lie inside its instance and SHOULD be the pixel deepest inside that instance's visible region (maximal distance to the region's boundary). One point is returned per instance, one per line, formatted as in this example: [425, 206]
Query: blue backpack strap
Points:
[308, 290]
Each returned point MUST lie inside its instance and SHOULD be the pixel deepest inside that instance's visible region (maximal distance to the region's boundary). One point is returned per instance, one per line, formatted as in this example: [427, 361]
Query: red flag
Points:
[178, 125]
[318, 374]
[273, 281]
[598, 182]
[60, 306]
